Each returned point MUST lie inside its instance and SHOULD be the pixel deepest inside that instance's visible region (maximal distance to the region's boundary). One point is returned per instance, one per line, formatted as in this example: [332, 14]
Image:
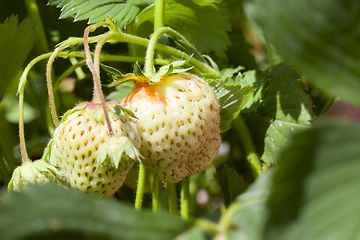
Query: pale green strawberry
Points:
[179, 120]
[88, 156]
[34, 172]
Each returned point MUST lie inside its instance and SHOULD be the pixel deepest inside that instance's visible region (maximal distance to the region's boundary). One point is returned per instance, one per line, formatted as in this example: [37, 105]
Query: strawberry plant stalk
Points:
[33, 10]
[140, 187]
[185, 198]
[172, 198]
[245, 138]
[158, 23]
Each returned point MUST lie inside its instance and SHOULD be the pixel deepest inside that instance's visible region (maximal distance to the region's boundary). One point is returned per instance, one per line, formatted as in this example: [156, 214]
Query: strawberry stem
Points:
[52, 105]
[185, 199]
[20, 92]
[95, 71]
[155, 193]
[172, 197]
[249, 147]
[150, 51]
[140, 187]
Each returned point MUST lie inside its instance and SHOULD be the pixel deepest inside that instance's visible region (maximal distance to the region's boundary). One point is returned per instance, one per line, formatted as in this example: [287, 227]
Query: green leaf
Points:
[283, 104]
[52, 212]
[16, 42]
[120, 11]
[248, 214]
[203, 23]
[316, 190]
[232, 98]
[320, 37]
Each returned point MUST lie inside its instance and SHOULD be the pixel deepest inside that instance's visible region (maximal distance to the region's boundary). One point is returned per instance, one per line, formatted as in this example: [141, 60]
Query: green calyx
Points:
[37, 172]
[118, 154]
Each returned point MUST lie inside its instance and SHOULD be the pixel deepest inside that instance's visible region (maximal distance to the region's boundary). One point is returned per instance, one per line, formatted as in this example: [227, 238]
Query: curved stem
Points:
[98, 94]
[24, 155]
[149, 58]
[172, 198]
[207, 225]
[140, 187]
[185, 199]
[52, 105]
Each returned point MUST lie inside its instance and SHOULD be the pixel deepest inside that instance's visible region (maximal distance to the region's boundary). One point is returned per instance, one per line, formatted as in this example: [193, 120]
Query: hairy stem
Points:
[150, 51]
[95, 71]
[140, 187]
[49, 86]
[185, 199]
[24, 155]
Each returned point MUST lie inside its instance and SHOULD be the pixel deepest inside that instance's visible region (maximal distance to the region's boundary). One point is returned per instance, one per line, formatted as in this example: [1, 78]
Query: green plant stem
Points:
[207, 226]
[140, 187]
[95, 70]
[52, 104]
[24, 154]
[327, 105]
[225, 220]
[149, 58]
[269, 53]
[171, 194]
[155, 193]
[185, 199]
[159, 14]
[245, 137]
[33, 11]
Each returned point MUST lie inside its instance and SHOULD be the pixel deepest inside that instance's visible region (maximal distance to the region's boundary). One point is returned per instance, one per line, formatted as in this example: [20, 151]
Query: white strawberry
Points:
[90, 157]
[179, 120]
[34, 172]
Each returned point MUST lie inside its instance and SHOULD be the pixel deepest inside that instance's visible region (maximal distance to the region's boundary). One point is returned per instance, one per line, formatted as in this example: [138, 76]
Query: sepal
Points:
[34, 172]
[118, 154]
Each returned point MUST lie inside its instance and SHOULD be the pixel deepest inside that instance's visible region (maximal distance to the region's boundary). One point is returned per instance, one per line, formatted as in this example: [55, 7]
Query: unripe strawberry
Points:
[37, 172]
[179, 120]
[90, 158]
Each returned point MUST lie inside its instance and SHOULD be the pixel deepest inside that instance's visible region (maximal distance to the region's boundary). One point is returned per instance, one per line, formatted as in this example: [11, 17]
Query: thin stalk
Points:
[67, 73]
[269, 53]
[24, 154]
[150, 51]
[155, 193]
[98, 94]
[172, 198]
[159, 14]
[52, 105]
[245, 137]
[225, 220]
[33, 11]
[207, 225]
[140, 187]
[185, 198]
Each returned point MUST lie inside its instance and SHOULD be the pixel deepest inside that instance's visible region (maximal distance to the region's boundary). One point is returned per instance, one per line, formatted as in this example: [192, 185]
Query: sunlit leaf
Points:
[203, 23]
[281, 102]
[232, 97]
[120, 11]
